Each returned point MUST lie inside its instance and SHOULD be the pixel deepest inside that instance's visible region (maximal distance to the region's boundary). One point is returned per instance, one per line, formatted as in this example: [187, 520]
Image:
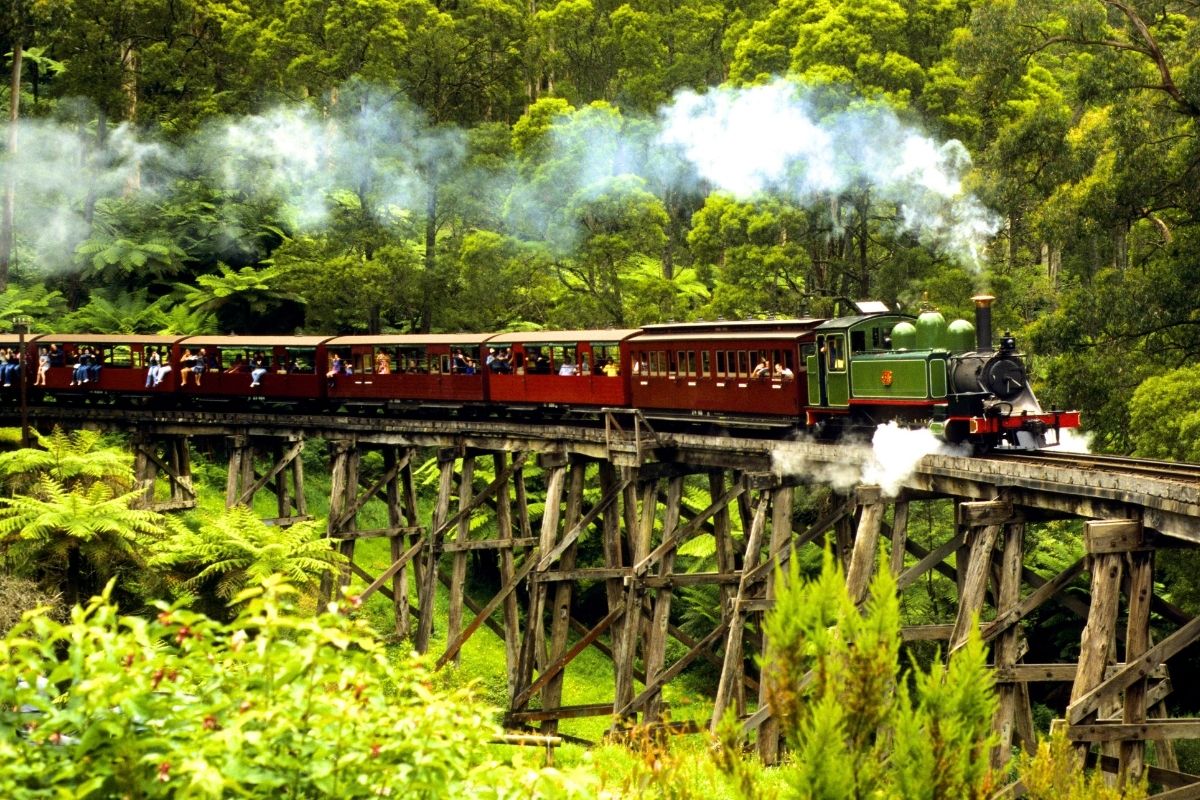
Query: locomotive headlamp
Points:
[1008, 343]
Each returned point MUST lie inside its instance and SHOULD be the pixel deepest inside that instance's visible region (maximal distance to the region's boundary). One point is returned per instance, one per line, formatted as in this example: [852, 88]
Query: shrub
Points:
[270, 704]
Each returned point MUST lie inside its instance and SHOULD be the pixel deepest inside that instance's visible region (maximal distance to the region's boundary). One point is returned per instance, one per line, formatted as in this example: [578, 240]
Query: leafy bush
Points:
[271, 704]
[855, 726]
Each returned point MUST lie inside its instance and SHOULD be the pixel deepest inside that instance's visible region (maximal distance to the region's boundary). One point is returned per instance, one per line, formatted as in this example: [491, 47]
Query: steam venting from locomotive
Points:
[747, 142]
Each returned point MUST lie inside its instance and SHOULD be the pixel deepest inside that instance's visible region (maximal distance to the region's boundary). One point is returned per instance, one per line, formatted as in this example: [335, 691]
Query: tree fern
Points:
[78, 458]
[236, 549]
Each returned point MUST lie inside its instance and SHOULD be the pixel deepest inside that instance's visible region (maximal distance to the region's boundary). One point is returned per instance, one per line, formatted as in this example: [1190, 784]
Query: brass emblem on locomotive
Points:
[885, 377]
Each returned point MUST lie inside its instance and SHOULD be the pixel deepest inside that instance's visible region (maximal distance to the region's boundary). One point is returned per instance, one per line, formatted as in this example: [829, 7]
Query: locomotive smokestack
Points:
[983, 322]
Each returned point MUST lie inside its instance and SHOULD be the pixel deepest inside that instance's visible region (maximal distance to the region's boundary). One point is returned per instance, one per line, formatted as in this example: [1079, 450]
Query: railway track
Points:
[1163, 470]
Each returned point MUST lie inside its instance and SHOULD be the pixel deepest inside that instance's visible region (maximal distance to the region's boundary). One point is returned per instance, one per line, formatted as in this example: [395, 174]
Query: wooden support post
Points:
[610, 542]
[726, 560]
[866, 542]
[1007, 647]
[983, 522]
[504, 531]
[233, 475]
[396, 544]
[458, 569]
[656, 643]
[412, 516]
[182, 490]
[781, 531]
[732, 668]
[298, 500]
[145, 469]
[899, 537]
[433, 551]
[1137, 642]
[844, 538]
[283, 503]
[560, 607]
[533, 647]
[1099, 632]
[639, 548]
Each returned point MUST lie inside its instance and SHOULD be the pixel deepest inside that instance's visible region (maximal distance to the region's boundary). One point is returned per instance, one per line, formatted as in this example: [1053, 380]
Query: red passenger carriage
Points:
[416, 369]
[561, 368]
[751, 368]
[123, 361]
[294, 366]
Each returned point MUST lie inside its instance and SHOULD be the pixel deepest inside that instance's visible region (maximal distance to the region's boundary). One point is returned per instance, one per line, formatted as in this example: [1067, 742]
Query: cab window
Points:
[835, 353]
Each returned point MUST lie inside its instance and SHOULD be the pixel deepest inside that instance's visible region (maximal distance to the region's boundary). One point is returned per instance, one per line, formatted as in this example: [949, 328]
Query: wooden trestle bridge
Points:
[1120, 680]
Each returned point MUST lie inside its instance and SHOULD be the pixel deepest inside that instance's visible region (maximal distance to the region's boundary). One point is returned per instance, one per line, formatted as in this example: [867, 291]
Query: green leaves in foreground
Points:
[269, 705]
[858, 726]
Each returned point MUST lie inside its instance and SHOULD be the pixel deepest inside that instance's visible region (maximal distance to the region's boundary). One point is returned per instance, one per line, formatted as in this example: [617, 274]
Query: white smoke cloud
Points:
[891, 457]
[1071, 440]
[771, 139]
[768, 139]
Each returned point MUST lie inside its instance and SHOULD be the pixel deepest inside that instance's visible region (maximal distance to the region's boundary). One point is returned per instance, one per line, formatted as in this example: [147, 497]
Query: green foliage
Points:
[235, 550]
[42, 305]
[855, 725]
[77, 458]
[76, 539]
[271, 704]
[1054, 774]
[1164, 416]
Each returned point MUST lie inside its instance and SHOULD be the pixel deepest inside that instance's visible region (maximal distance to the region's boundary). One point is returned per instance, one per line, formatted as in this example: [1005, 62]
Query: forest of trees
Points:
[398, 165]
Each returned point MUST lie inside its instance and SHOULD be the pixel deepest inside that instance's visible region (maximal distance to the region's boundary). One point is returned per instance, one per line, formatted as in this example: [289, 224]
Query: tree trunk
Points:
[7, 227]
[129, 86]
[431, 206]
[1121, 245]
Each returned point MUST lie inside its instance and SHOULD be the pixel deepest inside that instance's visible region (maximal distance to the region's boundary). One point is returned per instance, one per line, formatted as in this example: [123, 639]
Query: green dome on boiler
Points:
[931, 331]
[960, 336]
[904, 336]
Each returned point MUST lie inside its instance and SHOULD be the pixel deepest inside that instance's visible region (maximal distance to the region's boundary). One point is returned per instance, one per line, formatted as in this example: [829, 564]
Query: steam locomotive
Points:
[826, 376]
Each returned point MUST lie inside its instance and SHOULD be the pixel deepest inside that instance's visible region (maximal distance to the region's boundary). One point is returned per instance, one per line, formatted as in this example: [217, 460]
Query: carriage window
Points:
[679, 362]
[299, 361]
[731, 356]
[808, 350]
[691, 364]
[705, 363]
[585, 362]
[743, 364]
[720, 363]
[120, 356]
[411, 360]
[643, 363]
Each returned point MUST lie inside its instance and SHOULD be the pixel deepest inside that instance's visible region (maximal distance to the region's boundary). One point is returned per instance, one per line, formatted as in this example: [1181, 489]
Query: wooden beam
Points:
[1113, 536]
[582, 525]
[1047, 590]
[1119, 731]
[562, 712]
[1133, 671]
[669, 543]
[248, 494]
[396, 566]
[674, 670]
[488, 544]
[453, 647]
[362, 499]
[987, 512]
[557, 666]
